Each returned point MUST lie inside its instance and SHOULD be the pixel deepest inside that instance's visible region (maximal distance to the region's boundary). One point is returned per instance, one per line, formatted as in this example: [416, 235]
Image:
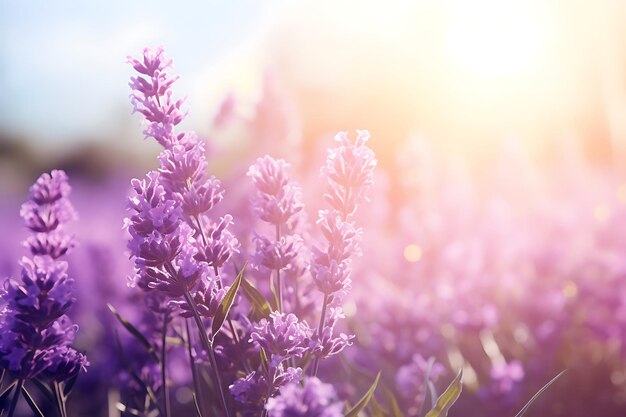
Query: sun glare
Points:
[494, 38]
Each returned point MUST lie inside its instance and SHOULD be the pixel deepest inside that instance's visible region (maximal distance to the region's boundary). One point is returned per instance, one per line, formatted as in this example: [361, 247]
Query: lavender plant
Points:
[35, 332]
[183, 258]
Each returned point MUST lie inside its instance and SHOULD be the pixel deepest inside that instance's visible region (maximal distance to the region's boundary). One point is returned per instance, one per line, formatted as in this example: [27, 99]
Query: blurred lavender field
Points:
[493, 234]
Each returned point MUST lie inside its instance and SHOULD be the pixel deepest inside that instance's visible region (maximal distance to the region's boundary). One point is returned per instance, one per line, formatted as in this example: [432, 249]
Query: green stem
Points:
[279, 285]
[166, 399]
[208, 347]
[16, 396]
[194, 372]
[319, 332]
[60, 399]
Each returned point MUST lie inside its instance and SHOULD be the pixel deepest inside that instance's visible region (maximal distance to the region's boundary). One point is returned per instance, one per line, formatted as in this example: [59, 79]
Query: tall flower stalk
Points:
[349, 171]
[35, 332]
[173, 241]
[277, 202]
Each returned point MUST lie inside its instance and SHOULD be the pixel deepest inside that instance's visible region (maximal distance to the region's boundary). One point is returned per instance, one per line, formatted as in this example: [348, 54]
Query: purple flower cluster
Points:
[277, 201]
[182, 254]
[349, 172]
[314, 399]
[36, 335]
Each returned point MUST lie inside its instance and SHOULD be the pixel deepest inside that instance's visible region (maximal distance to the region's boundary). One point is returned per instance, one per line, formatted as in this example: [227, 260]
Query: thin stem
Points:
[60, 399]
[200, 229]
[279, 285]
[319, 332]
[16, 396]
[166, 395]
[208, 347]
[194, 372]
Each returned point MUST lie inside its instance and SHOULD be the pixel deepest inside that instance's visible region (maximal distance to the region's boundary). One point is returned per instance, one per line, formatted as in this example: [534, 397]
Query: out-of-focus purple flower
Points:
[504, 376]
[35, 333]
[411, 378]
[253, 390]
[277, 198]
[314, 399]
[282, 335]
[277, 254]
[350, 171]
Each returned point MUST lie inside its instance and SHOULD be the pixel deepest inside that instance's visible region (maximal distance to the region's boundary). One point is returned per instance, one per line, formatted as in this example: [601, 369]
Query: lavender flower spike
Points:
[35, 333]
[314, 399]
[350, 171]
[152, 96]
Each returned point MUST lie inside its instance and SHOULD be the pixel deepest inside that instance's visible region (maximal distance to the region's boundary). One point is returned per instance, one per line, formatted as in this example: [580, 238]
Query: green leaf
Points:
[31, 403]
[358, 407]
[133, 330]
[226, 304]
[377, 409]
[450, 395]
[393, 403]
[538, 394]
[260, 306]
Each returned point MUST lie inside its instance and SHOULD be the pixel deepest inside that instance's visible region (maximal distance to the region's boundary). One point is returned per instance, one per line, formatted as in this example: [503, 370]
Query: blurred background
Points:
[467, 74]
[500, 127]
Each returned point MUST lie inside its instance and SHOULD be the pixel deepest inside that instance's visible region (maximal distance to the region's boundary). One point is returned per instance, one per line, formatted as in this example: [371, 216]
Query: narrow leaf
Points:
[449, 397]
[195, 402]
[7, 391]
[226, 304]
[377, 409]
[393, 403]
[260, 306]
[358, 407]
[133, 330]
[539, 393]
[31, 403]
[44, 389]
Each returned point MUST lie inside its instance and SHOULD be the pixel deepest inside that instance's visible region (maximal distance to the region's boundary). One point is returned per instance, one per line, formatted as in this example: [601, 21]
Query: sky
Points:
[63, 71]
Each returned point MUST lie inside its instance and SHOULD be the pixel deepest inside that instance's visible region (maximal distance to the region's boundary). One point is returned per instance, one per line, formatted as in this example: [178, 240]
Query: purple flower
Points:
[44, 293]
[504, 376]
[411, 378]
[277, 198]
[219, 244]
[329, 344]
[152, 95]
[150, 209]
[350, 171]
[282, 335]
[207, 298]
[314, 399]
[65, 362]
[277, 254]
[34, 330]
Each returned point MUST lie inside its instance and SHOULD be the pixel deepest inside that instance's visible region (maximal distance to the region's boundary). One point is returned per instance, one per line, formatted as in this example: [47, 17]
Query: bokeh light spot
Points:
[601, 212]
[570, 289]
[412, 253]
